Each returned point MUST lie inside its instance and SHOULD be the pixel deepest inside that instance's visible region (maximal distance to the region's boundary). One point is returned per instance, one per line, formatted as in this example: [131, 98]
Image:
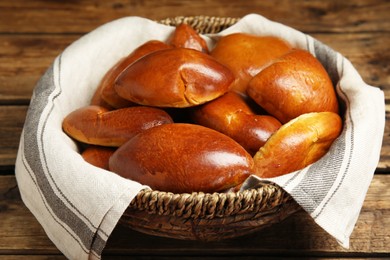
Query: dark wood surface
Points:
[33, 33]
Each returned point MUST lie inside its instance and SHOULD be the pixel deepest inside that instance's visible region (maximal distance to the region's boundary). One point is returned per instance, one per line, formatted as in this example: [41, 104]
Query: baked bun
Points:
[177, 77]
[106, 88]
[298, 143]
[292, 85]
[97, 99]
[99, 126]
[245, 55]
[182, 158]
[98, 156]
[231, 115]
[184, 36]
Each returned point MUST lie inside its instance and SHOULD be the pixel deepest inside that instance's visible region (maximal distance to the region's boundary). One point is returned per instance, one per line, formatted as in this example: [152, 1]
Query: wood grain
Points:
[23, 60]
[12, 120]
[20, 16]
[298, 236]
[18, 227]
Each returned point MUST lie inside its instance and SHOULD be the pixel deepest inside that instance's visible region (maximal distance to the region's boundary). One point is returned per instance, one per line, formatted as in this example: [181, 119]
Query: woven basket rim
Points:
[210, 205]
[202, 23]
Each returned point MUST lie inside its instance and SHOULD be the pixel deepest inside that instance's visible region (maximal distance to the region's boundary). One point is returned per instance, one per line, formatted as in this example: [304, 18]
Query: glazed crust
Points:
[246, 55]
[298, 143]
[99, 126]
[177, 77]
[183, 158]
[292, 85]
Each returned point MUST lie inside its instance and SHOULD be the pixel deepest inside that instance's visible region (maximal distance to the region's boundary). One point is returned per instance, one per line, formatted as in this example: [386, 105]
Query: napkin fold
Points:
[78, 205]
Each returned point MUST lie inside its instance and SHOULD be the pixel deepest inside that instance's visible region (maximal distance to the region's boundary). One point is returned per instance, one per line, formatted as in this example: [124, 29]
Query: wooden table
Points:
[33, 33]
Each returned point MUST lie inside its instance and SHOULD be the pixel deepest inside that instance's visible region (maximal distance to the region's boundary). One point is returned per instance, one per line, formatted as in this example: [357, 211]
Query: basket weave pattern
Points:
[202, 24]
[204, 216]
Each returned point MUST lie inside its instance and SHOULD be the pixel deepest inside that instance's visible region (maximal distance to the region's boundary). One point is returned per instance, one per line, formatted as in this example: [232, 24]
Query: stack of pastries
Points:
[180, 117]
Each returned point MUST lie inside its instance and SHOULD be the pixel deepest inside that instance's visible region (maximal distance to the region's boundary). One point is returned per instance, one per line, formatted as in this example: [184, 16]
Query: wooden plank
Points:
[299, 236]
[66, 16]
[11, 124]
[19, 230]
[384, 163]
[24, 58]
[367, 52]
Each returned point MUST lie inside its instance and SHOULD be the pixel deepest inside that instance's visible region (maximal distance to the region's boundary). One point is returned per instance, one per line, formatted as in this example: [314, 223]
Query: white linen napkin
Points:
[78, 205]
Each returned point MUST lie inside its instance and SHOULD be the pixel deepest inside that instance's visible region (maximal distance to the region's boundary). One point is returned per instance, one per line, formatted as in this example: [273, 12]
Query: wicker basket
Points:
[207, 217]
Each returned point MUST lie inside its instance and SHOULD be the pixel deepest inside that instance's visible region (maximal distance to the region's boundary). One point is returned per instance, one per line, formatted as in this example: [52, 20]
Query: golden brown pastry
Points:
[246, 55]
[184, 36]
[292, 85]
[97, 99]
[230, 115]
[98, 155]
[183, 158]
[298, 143]
[175, 77]
[106, 88]
[99, 126]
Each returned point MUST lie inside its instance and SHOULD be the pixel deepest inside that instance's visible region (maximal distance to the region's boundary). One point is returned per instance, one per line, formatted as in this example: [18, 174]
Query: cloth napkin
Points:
[78, 205]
